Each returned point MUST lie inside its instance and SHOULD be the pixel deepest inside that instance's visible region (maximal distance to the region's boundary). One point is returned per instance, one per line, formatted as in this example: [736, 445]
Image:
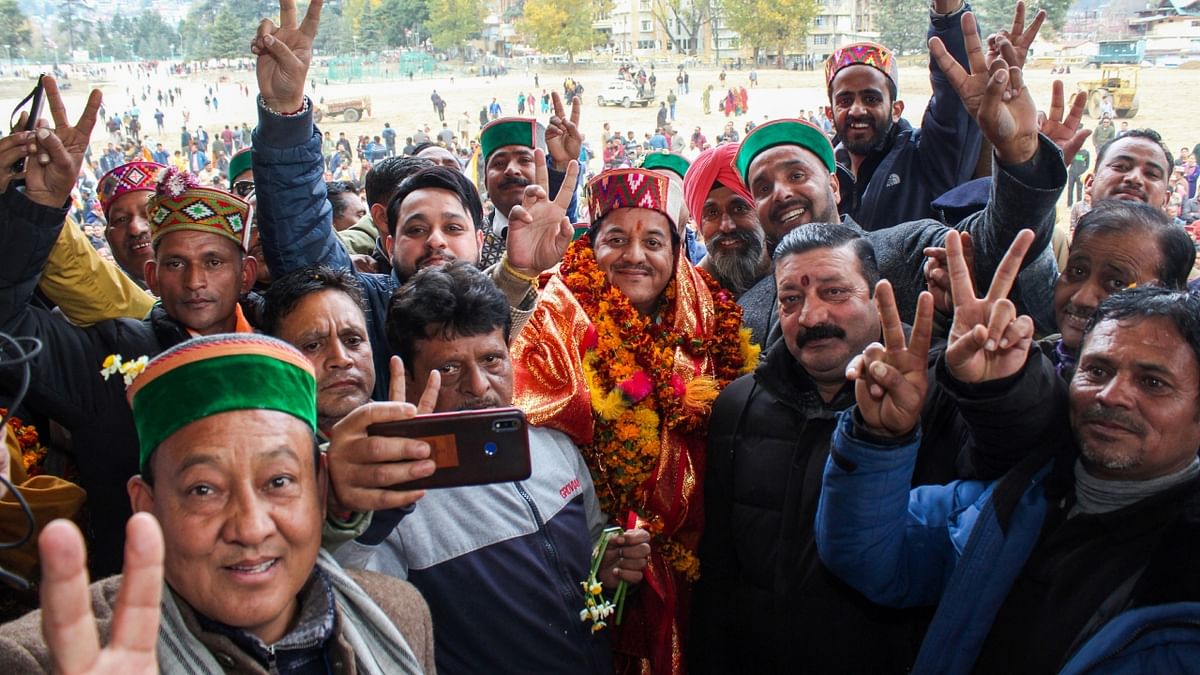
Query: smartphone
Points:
[36, 99]
[470, 447]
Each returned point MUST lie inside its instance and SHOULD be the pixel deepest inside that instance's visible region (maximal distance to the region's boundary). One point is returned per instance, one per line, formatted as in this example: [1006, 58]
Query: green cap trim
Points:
[508, 131]
[668, 161]
[782, 132]
[241, 160]
[206, 387]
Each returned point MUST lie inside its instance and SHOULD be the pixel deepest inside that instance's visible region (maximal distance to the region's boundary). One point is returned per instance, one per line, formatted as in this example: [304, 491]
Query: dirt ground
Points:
[1167, 102]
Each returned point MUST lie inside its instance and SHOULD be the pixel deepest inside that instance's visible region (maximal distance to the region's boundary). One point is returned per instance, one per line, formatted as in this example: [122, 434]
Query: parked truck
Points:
[351, 109]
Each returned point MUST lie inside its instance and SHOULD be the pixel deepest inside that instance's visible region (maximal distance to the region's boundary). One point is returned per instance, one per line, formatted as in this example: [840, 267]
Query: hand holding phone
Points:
[470, 447]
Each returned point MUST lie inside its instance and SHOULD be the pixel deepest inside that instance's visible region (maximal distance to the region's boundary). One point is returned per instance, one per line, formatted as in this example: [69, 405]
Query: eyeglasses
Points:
[243, 188]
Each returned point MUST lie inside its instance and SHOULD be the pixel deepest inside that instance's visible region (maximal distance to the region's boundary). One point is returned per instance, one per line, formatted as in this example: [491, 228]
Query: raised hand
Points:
[284, 52]
[988, 341]
[68, 625]
[538, 228]
[56, 154]
[1019, 35]
[995, 94]
[1067, 133]
[562, 133]
[890, 380]
[363, 468]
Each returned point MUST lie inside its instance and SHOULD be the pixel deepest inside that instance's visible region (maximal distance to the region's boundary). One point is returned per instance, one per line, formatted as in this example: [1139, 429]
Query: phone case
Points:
[471, 447]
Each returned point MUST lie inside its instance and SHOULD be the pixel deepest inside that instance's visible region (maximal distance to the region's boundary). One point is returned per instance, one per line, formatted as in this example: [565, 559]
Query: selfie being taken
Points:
[403, 338]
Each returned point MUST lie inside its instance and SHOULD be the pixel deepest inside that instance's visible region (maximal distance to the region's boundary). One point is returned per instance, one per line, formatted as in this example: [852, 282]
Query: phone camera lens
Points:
[489, 448]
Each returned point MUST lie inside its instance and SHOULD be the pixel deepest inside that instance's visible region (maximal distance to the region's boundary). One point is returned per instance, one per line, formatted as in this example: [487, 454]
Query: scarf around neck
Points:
[379, 648]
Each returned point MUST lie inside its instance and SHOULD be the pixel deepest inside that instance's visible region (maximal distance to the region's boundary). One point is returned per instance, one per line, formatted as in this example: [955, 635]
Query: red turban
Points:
[713, 166]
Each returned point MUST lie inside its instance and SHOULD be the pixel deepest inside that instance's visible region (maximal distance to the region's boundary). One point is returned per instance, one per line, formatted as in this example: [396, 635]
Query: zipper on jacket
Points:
[568, 592]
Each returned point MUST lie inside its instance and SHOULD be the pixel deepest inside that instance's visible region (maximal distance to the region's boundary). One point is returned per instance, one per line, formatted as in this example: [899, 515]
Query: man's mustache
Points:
[820, 332]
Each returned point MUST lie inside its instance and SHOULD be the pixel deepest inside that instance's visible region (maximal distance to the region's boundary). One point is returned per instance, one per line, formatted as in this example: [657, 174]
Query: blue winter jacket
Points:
[898, 182]
[946, 546]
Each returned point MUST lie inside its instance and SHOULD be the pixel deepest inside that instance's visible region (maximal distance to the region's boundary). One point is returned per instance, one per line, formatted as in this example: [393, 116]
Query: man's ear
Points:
[150, 273]
[323, 482]
[249, 272]
[379, 218]
[141, 495]
[835, 186]
[897, 110]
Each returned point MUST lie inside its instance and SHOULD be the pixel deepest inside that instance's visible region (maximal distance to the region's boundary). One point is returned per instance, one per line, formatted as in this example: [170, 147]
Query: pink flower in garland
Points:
[637, 387]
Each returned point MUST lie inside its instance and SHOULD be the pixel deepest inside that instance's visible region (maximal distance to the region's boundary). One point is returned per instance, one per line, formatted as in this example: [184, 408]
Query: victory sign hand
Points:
[53, 163]
[563, 139]
[890, 380]
[284, 52]
[68, 625]
[997, 96]
[988, 341]
[538, 228]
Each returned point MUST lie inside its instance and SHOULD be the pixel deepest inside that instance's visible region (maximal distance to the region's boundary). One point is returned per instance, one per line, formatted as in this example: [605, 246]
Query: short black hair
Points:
[334, 191]
[1175, 245]
[285, 293]
[446, 301]
[1182, 308]
[1148, 134]
[437, 177]
[385, 177]
[815, 236]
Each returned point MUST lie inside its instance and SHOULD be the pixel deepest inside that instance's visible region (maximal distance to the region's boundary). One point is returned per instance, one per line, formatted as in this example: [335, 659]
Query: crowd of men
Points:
[792, 405]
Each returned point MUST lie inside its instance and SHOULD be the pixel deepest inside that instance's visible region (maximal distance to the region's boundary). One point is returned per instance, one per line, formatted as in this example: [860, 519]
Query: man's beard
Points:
[864, 147]
[738, 271]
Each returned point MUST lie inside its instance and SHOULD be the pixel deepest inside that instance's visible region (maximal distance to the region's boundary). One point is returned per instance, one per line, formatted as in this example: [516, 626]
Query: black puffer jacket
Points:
[764, 602]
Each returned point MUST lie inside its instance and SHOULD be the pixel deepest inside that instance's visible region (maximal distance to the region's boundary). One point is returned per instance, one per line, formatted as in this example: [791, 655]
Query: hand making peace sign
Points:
[538, 228]
[284, 52]
[988, 341]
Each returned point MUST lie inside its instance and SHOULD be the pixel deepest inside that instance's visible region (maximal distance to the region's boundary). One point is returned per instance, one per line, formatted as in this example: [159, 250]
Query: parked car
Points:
[626, 94]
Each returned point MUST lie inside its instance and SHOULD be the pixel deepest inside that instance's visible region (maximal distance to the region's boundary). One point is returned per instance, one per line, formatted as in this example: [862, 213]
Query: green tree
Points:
[226, 37]
[453, 22]
[402, 22]
[554, 26]
[14, 25]
[781, 25]
[903, 25]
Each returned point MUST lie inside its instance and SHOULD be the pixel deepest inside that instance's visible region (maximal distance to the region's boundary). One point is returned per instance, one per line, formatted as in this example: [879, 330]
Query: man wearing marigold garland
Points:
[625, 352]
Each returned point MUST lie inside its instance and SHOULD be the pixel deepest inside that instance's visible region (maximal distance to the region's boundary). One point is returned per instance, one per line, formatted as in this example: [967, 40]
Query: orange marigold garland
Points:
[32, 451]
[628, 365]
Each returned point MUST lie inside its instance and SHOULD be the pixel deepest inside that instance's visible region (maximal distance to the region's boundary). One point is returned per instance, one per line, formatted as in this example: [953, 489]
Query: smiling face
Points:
[331, 331]
[1132, 168]
[863, 112]
[791, 187]
[734, 238]
[432, 228]
[509, 169]
[241, 515]
[825, 311]
[1135, 400]
[1098, 265]
[198, 277]
[633, 249]
[128, 232]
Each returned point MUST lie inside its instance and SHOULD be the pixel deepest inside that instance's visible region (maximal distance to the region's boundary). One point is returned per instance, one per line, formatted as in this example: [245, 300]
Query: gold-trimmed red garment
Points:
[555, 355]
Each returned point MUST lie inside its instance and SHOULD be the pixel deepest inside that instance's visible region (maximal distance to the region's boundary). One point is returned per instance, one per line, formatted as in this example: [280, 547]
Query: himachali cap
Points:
[664, 160]
[131, 177]
[508, 131]
[207, 375]
[862, 54]
[782, 132]
[181, 203]
[240, 161]
[634, 188]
